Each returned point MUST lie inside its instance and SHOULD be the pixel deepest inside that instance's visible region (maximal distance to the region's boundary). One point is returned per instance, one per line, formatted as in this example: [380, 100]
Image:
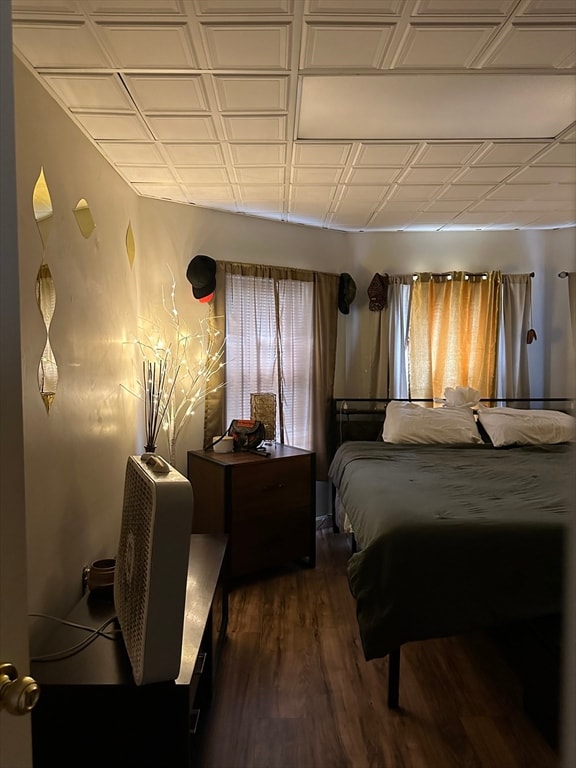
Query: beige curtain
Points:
[324, 349]
[513, 370]
[453, 333]
[389, 328]
[572, 298]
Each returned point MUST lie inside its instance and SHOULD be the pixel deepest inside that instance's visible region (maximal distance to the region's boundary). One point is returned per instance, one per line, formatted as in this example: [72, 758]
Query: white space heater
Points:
[152, 566]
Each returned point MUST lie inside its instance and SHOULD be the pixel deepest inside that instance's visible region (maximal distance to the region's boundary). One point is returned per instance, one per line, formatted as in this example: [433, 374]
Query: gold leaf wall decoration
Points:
[84, 218]
[43, 211]
[48, 368]
[130, 245]
[45, 291]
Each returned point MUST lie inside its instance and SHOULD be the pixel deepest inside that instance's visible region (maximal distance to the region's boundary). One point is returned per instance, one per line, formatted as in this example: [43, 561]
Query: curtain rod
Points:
[563, 274]
[473, 274]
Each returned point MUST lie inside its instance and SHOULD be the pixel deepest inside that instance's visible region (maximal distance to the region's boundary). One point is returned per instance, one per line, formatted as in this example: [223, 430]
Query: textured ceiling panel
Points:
[202, 102]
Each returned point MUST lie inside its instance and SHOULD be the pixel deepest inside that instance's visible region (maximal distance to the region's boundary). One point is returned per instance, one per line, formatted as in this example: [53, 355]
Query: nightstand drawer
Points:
[275, 488]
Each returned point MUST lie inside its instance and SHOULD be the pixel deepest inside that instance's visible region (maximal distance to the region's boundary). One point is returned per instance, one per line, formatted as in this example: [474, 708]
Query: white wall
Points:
[73, 515]
[72, 511]
[543, 252]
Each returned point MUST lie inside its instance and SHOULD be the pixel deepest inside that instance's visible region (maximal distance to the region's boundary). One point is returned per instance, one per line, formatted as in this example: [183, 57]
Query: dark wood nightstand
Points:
[266, 504]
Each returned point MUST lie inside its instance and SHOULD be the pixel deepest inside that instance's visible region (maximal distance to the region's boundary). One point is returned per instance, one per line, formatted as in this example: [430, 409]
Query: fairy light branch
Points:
[179, 369]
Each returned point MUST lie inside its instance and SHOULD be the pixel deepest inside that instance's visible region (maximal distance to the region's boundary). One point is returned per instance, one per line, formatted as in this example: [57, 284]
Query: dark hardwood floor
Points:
[294, 690]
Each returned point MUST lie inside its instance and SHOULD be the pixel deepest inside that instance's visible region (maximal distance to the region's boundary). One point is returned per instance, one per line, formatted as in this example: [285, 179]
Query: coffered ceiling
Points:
[370, 115]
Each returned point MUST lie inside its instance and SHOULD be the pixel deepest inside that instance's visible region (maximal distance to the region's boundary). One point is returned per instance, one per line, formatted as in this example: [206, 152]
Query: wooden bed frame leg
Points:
[394, 679]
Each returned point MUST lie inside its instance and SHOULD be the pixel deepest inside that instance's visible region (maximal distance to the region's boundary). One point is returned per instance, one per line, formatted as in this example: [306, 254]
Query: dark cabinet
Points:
[265, 504]
[91, 713]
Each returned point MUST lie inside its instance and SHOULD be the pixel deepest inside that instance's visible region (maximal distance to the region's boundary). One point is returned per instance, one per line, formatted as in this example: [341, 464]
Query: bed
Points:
[455, 536]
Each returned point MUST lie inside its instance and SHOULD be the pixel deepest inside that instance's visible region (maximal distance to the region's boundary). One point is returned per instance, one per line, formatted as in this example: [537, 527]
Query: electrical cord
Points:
[94, 633]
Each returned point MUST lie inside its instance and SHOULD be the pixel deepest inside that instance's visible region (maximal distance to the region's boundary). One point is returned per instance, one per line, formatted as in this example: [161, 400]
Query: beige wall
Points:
[73, 514]
[75, 455]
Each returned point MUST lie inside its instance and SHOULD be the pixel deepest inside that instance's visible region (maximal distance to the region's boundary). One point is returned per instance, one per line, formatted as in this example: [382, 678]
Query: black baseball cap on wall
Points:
[201, 273]
[346, 292]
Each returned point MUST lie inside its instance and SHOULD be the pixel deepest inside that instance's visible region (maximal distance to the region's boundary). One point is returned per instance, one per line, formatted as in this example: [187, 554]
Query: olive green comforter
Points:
[452, 538]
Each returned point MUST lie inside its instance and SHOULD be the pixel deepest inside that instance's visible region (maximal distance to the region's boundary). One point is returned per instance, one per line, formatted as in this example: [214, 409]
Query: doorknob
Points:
[18, 695]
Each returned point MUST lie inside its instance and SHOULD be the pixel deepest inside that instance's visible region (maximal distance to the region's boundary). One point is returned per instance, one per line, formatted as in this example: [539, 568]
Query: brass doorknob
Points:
[18, 695]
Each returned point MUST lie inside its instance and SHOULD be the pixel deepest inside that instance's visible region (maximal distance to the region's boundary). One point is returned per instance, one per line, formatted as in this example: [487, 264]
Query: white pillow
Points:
[515, 426]
[412, 423]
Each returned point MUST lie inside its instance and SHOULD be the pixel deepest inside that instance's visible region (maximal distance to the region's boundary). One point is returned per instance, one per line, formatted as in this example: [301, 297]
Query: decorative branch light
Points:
[178, 371]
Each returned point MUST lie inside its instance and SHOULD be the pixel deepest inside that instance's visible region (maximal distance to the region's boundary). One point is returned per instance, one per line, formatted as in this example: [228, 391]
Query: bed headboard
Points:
[359, 418]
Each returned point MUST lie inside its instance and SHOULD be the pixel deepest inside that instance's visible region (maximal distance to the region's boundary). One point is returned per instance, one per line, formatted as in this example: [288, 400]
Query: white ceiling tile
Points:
[165, 191]
[148, 46]
[485, 174]
[325, 175]
[357, 7]
[516, 192]
[84, 92]
[376, 176]
[218, 82]
[548, 8]
[58, 45]
[559, 154]
[195, 154]
[509, 153]
[231, 7]
[545, 175]
[258, 154]
[553, 220]
[204, 194]
[203, 176]
[385, 154]
[247, 46]
[497, 206]
[252, 94]
[343, 46]
[407, 205]
[168, 93]
[435, 219]
[20, 7]
[261, 193]
[427, 175]
[319, 194]
[132, 7]
[321, 154]
[391, 220]
[442, 46]
[466, 191]
[147, 173]
[526, 46]
[415, 191]
[362, 195]
[135, 153]
[260, 175]
[449, 206]
[113, 127]
[560, 192]
[446, 154]
[464, 7]
[476, 219]
[182, 128]
[258, 128]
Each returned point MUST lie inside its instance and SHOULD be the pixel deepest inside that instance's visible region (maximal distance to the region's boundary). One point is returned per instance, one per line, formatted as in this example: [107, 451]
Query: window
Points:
[269, 344]
[454, 329]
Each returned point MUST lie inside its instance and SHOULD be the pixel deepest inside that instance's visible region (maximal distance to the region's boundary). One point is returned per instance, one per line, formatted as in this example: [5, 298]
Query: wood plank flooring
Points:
[294, 690]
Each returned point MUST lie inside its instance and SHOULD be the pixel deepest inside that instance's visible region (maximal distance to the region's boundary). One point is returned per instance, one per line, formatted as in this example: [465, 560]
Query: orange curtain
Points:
[453, 333]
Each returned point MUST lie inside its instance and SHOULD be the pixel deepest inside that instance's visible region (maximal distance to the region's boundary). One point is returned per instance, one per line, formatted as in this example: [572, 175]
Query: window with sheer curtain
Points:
[453, 329]
[269, 340]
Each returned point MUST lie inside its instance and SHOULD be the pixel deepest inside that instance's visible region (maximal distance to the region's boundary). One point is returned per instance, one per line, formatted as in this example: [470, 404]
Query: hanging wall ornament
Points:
[48, 368]
[45, 291]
